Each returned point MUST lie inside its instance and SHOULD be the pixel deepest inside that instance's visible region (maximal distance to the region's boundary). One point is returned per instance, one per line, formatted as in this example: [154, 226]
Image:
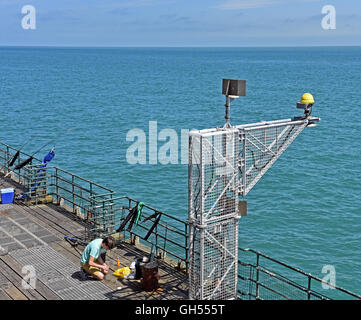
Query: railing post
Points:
[309, 288]
[73, 191]
[111, 216]
[165, 241]
[6, 159]
[18, 170]
[186, 246]
[57, 185]
[257, 277]
[156, 241]
[104, 218]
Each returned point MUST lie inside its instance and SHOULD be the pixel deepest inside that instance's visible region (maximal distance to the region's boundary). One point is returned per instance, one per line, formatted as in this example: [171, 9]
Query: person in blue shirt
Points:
[91, 260]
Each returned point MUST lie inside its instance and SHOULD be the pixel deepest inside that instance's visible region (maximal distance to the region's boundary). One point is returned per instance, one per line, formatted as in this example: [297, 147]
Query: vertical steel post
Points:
[186, 247]
[228, 106]
[190, 219]
[6, 164]
[309, 288]
[257, 277]
[201, 230]
[57, 186]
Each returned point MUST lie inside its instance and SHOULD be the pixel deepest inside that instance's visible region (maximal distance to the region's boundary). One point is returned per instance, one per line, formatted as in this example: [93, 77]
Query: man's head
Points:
[108, 243]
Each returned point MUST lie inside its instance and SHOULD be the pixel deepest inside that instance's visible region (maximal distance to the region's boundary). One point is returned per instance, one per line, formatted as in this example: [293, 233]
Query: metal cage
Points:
[36, 183]
[224, 164]
[213, 214]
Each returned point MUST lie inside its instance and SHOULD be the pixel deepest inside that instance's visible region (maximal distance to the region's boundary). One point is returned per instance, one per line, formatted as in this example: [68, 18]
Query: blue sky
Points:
[180, 23]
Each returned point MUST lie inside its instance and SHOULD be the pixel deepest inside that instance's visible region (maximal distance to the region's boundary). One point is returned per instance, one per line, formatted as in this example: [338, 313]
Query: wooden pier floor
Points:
[33, 237]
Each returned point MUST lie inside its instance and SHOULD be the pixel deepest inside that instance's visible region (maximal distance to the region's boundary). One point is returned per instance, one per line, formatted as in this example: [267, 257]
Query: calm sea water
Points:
[305, 211]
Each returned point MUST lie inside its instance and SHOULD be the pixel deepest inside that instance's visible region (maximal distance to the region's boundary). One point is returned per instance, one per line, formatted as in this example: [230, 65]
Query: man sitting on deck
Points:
[91, 260]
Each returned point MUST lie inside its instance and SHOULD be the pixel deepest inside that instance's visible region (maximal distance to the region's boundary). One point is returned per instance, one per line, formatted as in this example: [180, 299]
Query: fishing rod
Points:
[16, 155]
[28, 160]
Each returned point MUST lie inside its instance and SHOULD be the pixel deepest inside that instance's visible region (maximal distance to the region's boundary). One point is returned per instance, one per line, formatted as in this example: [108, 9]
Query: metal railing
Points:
[169, 237]
[261, 277]
[68, 189]
[97, 206]
[75, 192]
[6, 154]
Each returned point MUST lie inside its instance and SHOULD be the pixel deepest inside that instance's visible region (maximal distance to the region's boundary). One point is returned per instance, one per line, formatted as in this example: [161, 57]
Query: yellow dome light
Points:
[307, 98]
[306, 104]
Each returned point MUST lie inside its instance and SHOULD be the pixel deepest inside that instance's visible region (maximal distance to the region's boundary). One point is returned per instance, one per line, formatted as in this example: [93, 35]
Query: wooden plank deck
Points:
[46, 225]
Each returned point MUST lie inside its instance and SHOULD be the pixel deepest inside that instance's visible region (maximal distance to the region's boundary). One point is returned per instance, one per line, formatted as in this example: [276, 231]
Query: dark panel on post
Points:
[234, 87]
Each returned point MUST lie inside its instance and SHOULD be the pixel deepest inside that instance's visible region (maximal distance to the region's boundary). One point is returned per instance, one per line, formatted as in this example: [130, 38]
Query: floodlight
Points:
[232, 89]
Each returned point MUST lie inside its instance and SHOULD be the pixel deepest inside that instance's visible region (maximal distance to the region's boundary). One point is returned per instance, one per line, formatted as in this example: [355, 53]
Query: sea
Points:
[305, 211]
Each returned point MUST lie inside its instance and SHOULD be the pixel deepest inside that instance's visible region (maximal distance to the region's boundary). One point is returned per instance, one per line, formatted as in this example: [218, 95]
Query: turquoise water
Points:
[306, 209]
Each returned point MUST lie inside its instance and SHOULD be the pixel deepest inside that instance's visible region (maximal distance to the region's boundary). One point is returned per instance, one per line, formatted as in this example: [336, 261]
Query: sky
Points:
[174, 23]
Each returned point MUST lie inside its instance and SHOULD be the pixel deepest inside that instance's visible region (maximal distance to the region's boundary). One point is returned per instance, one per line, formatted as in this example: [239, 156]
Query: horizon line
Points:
[180, 46]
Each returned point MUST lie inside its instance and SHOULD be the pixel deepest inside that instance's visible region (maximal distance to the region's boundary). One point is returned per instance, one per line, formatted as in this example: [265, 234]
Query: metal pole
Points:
[257, 277]
[309, 288]
[57, 186]
[72, 182]
[201, 230]
[228, 106]
[186, 247]
[6, 159]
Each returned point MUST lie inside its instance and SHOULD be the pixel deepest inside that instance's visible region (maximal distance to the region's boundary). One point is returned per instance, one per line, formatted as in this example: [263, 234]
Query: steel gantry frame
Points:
[224, 164]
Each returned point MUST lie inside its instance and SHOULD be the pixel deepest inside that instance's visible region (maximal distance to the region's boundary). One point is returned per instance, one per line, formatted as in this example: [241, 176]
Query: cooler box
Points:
[7, 195]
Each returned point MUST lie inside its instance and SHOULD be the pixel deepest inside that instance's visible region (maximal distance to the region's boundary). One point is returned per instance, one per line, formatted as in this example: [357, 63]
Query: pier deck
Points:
[32, 239]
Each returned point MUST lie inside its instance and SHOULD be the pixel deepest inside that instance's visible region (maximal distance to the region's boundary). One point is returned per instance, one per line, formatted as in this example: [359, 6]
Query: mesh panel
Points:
[195, 282]
[213, 212]
[195, 177]
[261, 146]
[35, 182]
[220, 174]
[219, 260]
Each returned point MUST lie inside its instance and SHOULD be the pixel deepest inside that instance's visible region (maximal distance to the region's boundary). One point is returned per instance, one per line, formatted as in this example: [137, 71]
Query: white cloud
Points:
[251, 4]
[246, 4]
[142, 3]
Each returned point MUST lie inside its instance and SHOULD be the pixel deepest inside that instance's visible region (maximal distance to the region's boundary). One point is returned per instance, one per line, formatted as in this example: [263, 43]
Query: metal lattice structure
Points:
[261, 144]
[213, 216]
[225, 163]
[35, 182]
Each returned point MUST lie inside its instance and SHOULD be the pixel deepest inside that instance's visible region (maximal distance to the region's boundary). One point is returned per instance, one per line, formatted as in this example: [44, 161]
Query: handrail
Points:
[308, 290]
[129, 198]
[167, 236]
[101, 197]
[84, 196]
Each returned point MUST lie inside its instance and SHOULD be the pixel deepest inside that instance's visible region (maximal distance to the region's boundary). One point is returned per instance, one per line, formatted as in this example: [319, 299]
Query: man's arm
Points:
[92, 263]
[105, 266]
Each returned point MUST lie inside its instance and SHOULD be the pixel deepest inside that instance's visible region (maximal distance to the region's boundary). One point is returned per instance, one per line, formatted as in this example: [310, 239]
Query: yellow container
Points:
[122, 272]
